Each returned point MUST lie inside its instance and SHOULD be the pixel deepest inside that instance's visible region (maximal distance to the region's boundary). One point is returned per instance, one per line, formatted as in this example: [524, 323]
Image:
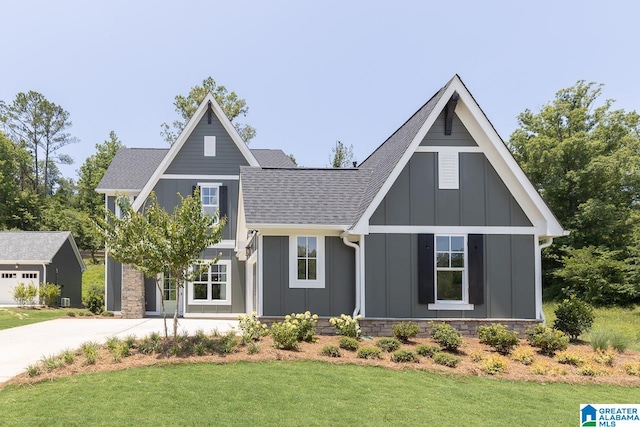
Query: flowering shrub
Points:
[305, 324]
[251, 328]
[346, 325]
[284, 335]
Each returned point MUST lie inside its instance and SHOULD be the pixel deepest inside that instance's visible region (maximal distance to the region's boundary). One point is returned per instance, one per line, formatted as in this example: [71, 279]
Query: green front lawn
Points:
[12, 317]
[297, 393]
[94, 275]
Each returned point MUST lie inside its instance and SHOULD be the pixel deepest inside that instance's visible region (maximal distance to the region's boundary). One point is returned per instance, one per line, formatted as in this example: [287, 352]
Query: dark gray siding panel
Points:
[114, 285]
[523, 276]
[459, 134]
[338, 296]
[66, 272]
[498, 282]
[191, 160]
[150, 294]
[167, 191]
[376, 275]
[237, 286]
[400, 275]
[482, 200]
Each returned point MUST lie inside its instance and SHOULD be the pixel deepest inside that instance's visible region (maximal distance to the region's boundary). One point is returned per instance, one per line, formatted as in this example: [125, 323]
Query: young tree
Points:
[155, 242]
[186, 106]
[341, 156]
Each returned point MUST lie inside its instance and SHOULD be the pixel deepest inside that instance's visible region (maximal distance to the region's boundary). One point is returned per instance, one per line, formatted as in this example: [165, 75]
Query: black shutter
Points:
[426, 291]
[193, 190]
[475, 251]
[224, 205]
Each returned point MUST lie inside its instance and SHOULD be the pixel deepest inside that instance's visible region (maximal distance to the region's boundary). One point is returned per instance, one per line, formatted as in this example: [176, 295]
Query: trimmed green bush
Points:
[548, 340]
[446, 359]
[284, 335]
[498, 337]
[330, 351]
[573, 317]
[388, 344]
[24, 295]
[446, 336]
[48, 294]
[348, 343]
[95, 299]
[369, 352]
[427, 350]
[405, 330]
[404, 356]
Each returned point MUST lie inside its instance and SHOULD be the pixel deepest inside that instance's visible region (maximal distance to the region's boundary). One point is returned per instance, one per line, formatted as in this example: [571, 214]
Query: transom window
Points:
[210, 198]
[450, 269]
[211, 284]
[306, 261]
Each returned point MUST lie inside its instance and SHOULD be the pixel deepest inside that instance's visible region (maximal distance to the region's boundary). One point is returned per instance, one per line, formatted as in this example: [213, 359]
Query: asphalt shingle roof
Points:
[268, 158]
[302, 195]
[131, 168]
[31, 245]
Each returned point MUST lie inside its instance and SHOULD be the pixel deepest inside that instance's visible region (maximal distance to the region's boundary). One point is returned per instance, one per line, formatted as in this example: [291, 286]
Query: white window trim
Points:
[294, 282]
[209, 146]
[226, 301]
[448, 304]
[215, 185]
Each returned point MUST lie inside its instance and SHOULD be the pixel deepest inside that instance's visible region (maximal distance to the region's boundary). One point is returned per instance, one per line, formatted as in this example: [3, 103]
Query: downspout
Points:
[356, 310]
[545, 244]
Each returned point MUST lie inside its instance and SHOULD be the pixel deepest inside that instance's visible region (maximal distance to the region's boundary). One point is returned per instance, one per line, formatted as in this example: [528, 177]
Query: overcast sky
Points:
[312, 73]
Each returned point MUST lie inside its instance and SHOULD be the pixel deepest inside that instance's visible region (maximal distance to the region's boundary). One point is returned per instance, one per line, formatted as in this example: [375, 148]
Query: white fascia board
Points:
[361, 226]
[316, 227]
[298, 229]
[182, 138]
[114, 192]
[241, 225]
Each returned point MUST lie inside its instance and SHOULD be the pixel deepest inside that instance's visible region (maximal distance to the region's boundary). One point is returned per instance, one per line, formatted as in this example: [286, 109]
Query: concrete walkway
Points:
[22, 346]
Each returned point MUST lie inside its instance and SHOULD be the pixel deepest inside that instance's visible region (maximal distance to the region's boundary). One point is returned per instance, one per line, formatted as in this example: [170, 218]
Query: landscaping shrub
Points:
[546, 339]
[405, 330]
[632, 369]
[305, 324]
[619, 341]
[404, 356]
[498, 337]
[599, 340]
[68, 357]
[569, 358]
[90, 351]
[369, 352]
[251, 328]
[446, 359]
[48, 294]
[603, 339]
[346, 325]
[540, 368]
[523, 355]
[51, 363]
[254, 348]
[348, 343]
[446, 336]
[604, 358]
[24, 295]
[284, 335]
[33, 370]
[476, 356]
[388, 344]
[427, 350]
[330, 351]
[573, 317]
[95, 299]
[589, 370]
[493, 365]
[227, 343]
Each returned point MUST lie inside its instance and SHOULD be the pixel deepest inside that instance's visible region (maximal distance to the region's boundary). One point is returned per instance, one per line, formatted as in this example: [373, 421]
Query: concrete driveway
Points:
[22, 346]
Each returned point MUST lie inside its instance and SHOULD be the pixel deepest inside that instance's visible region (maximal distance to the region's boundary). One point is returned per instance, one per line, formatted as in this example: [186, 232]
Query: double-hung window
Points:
[210, 197]
[451, 269]
[211, 284]
[306, 261]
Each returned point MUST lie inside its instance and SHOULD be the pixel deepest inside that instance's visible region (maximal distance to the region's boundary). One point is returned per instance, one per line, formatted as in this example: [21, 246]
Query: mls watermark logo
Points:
[609, 415]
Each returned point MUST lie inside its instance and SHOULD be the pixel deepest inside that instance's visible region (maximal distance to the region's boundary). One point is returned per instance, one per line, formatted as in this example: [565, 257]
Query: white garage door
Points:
[9, 279]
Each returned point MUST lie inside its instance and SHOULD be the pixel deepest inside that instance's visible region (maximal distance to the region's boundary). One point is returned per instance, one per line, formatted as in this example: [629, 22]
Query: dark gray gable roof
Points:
[385, 158]
[131, 168]
[31, 245]
[302, 195]
[269, 158]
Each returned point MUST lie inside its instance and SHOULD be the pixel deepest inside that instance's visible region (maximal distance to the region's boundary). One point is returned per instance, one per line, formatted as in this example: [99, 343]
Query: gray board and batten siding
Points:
[190, 159]
[338, 295]
[65, 271]
[460, 136]
[391, 271]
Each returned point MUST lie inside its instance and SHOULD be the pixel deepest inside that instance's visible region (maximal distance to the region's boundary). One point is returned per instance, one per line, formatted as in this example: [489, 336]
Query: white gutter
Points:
[545, 244]
[356, 310]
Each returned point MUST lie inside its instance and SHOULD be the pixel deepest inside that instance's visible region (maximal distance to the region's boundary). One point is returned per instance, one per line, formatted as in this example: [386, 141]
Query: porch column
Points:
[133, 306]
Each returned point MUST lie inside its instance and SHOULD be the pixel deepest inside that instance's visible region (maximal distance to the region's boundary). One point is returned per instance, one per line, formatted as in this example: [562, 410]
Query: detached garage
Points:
[37, 257]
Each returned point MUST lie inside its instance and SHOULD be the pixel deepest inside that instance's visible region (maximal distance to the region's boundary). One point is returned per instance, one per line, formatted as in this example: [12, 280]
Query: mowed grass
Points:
[12, 317]
[625, 321]
[296, 393]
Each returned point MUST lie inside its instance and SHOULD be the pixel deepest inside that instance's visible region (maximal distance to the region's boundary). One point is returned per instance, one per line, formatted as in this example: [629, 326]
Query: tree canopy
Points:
[232, 105]
[341, 155]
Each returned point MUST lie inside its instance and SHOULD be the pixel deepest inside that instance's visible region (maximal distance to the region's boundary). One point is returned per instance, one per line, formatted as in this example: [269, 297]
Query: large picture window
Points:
[451, 283]
[211, 284]
[306, 261]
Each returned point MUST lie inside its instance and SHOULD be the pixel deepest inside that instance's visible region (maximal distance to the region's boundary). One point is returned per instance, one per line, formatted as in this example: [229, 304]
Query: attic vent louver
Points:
[209, 112]
[448, 113]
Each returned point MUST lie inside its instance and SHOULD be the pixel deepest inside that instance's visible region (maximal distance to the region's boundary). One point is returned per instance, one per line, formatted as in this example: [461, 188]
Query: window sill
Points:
[450, 306]
[306, 285]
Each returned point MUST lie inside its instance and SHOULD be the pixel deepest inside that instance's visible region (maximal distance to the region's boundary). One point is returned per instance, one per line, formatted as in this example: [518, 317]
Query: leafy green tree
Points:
[155, 242]
[584, 158]
[341, 155]
[232, 105]
[41, 127]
